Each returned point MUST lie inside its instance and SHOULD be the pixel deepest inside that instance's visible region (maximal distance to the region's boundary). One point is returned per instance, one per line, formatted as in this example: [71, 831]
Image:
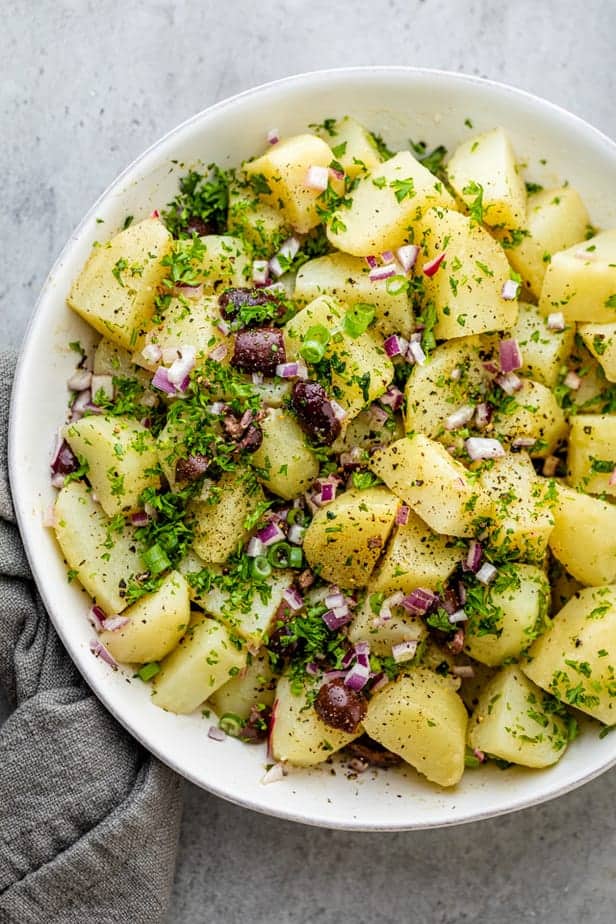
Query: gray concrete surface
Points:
[85, 87]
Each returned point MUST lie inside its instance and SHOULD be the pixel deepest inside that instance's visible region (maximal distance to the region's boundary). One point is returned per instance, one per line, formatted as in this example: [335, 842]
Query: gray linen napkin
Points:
[89, 821]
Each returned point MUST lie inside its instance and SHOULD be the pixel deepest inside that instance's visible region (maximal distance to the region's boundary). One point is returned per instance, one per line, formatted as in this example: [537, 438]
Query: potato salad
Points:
[340, 472]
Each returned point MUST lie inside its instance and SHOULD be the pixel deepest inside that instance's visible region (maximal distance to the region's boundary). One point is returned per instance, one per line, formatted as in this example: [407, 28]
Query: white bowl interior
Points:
[400, 104]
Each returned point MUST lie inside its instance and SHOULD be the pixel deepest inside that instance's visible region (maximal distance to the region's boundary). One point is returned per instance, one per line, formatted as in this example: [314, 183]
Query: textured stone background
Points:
[85, 87]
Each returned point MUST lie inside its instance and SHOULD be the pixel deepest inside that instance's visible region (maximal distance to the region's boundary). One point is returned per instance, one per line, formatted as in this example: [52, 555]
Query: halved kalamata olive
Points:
[252, 439]
[191, 468]
[372, 752]
[339, 706]
[256, 726]
[65, 461]
[231, 300]
[258, 350]
[314, 412]
[198, 226]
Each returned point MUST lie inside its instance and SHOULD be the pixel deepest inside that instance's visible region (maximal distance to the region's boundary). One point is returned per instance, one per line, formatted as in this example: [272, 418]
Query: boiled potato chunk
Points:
[533, 414]
[352, 146]
[285, 463]
[115, 290]
[581, 281]
[520, 600]
[220, 516]
[157, 623]
[84, 532]
[121, 455]
[170, 447]
[488, 161]
[285, 167]
[384, 206]
[415, 557]
[346, 537]
[187, 322]
[555, 219]
[224, 262]
[441, 386]
[421, 718]
[514, 721]
[437, 487]
[114, 360]
[544, 351]
[576, 658]
[600, 340]
[259, 223]
[381, 635]
[255, 685]
[466, 289]
[591, 459]
[522, 511]
[205, 658]
[347, 279]
[298, 734]
[366, 432]
[584, 537]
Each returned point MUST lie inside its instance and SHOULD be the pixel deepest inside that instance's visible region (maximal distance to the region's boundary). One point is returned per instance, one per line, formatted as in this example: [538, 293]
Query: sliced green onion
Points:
[312, 351]
[278, 554]
[318, 332]
[156, 560]
[395, 285]
[358, 319]
[231, 724]
[296, 557]
[147, 671]
[295, 515]
[260, 567]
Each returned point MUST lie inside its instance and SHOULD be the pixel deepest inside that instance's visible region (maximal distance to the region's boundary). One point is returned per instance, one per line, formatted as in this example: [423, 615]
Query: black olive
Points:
[372, 752]
[198, 226]
[191, 468]
[339, 706]
[237, 297]
[258, 350]
[256, 726]
[314, 412]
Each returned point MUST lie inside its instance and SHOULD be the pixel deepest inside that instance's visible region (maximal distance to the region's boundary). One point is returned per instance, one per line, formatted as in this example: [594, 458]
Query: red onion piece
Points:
[509, 382]
[57, 481]
[407, 256]
[357, 677]
[473, 557]
[460, 417]
[431, 267]
[396, 346]
[339, 412]
[79, 380]
[292, 370]
[387, 256]
[99, 651]
[102, 383]
[317, 178]
[273, 136]
[185, 291]
[486, 573]
[288, 251]
[154, 213]
[182, 366]
[419, 601]
[379, 415]
[260, 272]
[392, 398]
[402, 515]
[556, 321]
[296, 534]
[510, 356]
[161, 381]
[404, 651]
[371, 261]
[480, 448]
[97, 616]
[523, 442]
[334, 598]
[335, 619]
[481, 757]
[416, 353]
[572, 380]
[270, 534]
[216, 733]
[380, 682]
[218, 353]
[152, 353]
[274, 775]
[114, 623]
[293, 598]
[464, 671]
[224, 328]
[382, 272]
[510, 290]
[458, 616]
[140, 518]
[483, 415]
[255, 547]
[64, 460]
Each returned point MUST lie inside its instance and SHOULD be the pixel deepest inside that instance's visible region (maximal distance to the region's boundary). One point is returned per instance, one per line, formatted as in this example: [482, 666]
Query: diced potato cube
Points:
[384, 206]
[366, 432]
[157, 623]
[255, 685]
[415, 557]
[347, 279]
[286, 464]
[223, 263]
[437, 487]
[584, 537]
[298, 734]
[121, 454]
[518, 600]
[600, 340]
[523, 505]
[488, 161]
[515, 721]
[576, 658]
[205, 658]
[544, 351]
[466, 289]
[115, 290]
[381, 635]
[581, 281]
[352, 145]
[533, 414]
[284, 166]
[103, 558]
[111, 359]
[346, 537]
[187, 322]
[591, 459]
[555, 219]
[220, 516]
[421, 718]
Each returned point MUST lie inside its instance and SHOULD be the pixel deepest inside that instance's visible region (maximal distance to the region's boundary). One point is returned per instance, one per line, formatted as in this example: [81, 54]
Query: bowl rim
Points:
[13, 469]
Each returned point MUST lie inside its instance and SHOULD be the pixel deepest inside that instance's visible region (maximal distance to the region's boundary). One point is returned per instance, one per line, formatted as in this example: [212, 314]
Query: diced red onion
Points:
[296, 534]
[275, 774]
[154, 213]
[396, 346]
[462, 593]
[385, 614]
[378, 414]
[161, 381]
[152, 353]
[64, 460]
[273, 136]
[357, 677]
[292, 370]
[216, 733]
[102, 383]
[79, 380]
[293, 598]
[419, 601]
[382, 272]
[473, 557]
[486, 573]
[97, 616]
[288, 250]
[335, 619]
[510, 356]
[313, 669]
[362, 649]
[491, 367]
[184, 291]
[333, 675]
[140, 518]
[224, 328]
[57, 480]
[458, 616]
[392, 398]
[114, 623]
[387, 256]
[556, 321]
[337, 174]
[483, 415]
[218, 353]
[460, 417]
[317, 178]
[407, 256]
[270, 534]
[182, 366]
[254, 548]
[430, 268]
[572, 380]
[464, 671]
[99, 651]
[334, 598]
[481, 757]
[328, 493]
[260, 272]
[380, 682]
[510, 290]
[169, 355]
[481, 448]
[523, 442]
[416, 353]
[402, 515]
[404, 651]
[339, 412]
[371, 261]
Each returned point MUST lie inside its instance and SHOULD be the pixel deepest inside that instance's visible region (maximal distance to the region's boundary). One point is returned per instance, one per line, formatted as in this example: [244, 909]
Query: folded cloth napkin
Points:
[89, 821]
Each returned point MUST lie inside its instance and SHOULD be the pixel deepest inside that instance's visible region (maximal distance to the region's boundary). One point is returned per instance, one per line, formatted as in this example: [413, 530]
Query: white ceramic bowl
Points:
[400, 103]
